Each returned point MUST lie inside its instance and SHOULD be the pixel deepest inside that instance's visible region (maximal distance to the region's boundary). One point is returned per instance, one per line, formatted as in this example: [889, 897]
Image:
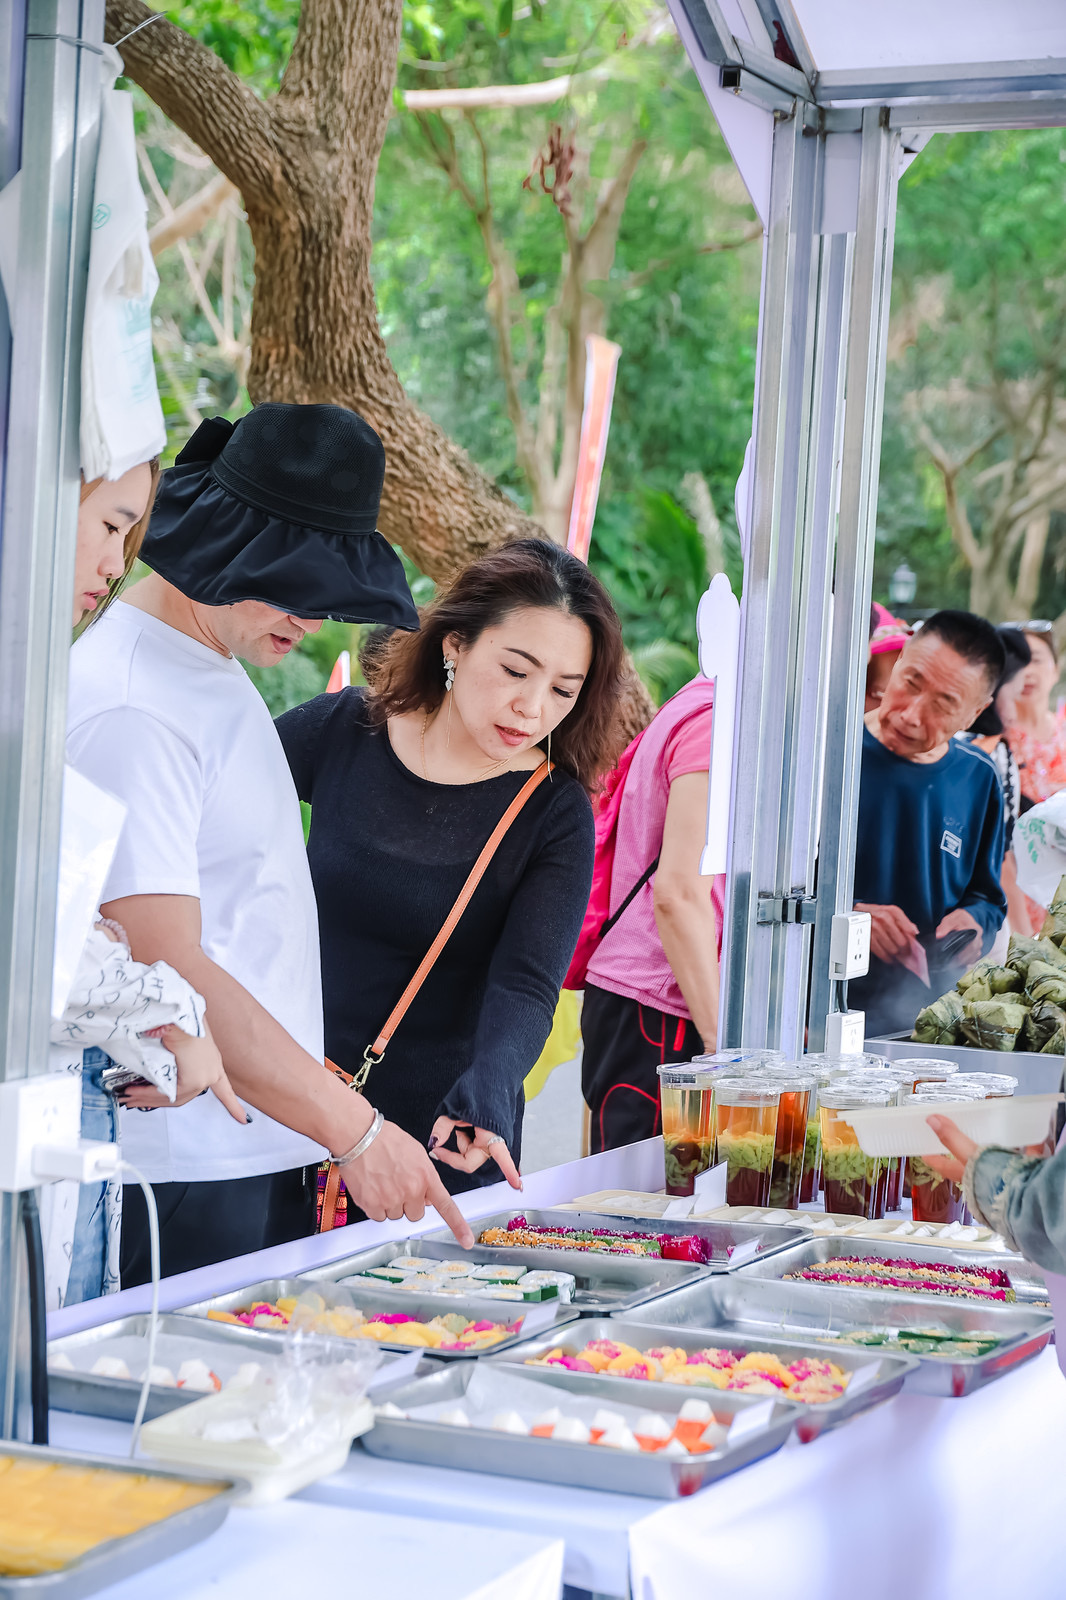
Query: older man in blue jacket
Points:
[930, 836]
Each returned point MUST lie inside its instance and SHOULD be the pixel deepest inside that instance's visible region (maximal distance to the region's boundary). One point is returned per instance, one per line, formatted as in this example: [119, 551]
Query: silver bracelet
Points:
[364, 1143]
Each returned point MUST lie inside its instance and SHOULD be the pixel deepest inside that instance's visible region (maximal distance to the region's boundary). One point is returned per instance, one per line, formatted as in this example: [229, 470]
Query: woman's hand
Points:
[964, 1149]
[394, 1178]
[473, 1152]
[199, 1068]
[961, 1148]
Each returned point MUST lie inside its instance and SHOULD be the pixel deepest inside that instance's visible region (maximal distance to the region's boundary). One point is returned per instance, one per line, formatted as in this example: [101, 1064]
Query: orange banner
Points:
[601, 365]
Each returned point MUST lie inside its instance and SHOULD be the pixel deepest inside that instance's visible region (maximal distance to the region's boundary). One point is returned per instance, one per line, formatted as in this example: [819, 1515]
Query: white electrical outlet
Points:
[849, 945]
[44, 1110]
[845, 1033]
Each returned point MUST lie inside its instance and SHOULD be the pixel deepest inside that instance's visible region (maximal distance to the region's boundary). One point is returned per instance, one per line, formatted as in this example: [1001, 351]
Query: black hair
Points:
[972, 637]
[1018, 654]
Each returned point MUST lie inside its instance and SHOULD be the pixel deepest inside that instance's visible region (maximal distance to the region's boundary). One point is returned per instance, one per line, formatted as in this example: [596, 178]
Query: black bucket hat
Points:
[281, 507]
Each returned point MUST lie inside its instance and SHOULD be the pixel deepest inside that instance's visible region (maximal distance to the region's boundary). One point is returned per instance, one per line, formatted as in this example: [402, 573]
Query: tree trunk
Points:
[305, 164]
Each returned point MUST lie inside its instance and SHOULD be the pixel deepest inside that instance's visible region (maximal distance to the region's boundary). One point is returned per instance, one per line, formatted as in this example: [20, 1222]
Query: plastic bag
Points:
[121, 417]
[1040, 848]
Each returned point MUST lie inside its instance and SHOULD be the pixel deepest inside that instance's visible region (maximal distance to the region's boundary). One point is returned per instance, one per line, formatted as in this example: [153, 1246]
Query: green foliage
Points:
[980, 288]
[253, 37]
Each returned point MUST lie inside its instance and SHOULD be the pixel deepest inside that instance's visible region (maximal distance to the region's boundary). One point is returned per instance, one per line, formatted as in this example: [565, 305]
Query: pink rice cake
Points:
[910, 1277]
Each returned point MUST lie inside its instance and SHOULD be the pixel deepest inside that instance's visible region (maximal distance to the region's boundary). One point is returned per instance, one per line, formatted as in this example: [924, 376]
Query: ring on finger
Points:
[497, 1138]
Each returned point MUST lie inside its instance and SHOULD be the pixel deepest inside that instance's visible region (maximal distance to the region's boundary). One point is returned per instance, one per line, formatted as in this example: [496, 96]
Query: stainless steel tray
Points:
[756, 1310]
[608, 1283]
[223, 1346]
[120, 1558]
[423, 1306]
[585, 1466]
[1029, 1283]
[810, 1420]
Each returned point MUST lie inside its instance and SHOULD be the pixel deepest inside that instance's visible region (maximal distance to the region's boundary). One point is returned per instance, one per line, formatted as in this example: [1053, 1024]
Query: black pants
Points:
[201, 1223]
[624, 1042]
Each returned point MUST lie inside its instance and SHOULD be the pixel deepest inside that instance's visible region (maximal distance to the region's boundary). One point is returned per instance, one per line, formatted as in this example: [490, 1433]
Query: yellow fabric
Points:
[561, 1044]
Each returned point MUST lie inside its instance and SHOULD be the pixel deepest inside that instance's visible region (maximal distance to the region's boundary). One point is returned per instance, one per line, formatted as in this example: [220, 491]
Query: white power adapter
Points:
[849, 945]
[40, 1127]
[845, 1033]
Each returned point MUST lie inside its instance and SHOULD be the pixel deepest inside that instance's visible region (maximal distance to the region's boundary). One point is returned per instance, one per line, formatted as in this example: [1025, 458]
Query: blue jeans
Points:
[99, 1120]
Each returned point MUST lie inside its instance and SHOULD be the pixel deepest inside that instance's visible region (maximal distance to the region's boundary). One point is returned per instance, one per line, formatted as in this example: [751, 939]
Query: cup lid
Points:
[748, 1090]
[682, 1073]
[924, 1066]
[845, 1093]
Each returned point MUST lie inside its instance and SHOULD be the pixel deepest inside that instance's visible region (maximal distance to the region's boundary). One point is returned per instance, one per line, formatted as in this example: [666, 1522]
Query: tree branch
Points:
[489, 97]
[637, 279]
[188, 218]
[198, 91]
[958, 520]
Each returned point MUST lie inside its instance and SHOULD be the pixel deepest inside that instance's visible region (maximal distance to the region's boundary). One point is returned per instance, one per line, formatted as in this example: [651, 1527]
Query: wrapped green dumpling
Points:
[1045, 1029]
[1003, 980]
[938, 1023]
[1054, 926]
[992, 1024]
[978, 974]
[978, 991]
[1046, 982]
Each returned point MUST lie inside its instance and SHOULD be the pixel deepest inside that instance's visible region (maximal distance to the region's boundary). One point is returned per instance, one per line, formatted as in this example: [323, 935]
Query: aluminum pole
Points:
[860, 467]
[60, 130]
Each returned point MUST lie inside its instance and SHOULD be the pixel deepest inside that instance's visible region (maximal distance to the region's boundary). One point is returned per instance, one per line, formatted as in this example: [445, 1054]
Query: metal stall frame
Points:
[60, 130]
[839, 142]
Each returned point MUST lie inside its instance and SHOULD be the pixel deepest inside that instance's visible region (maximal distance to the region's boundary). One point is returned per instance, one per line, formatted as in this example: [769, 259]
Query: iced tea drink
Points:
[746, 1123]
[686, 1097]
[790, 1140]
[851, 1179]
[933, 1198]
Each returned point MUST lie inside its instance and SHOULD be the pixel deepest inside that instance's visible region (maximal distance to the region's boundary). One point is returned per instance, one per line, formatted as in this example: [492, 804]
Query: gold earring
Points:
[550, 778]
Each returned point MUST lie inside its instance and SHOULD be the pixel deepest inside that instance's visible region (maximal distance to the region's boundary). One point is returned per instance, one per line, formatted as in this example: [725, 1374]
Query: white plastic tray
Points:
[904, 1130]
[270, 1474]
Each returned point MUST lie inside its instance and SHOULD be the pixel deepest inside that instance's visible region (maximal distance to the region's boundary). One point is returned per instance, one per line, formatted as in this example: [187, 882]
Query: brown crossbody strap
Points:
[374, 1052]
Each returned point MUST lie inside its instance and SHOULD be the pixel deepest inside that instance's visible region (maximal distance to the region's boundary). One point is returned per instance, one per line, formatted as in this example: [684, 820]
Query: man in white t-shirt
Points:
[260, 530]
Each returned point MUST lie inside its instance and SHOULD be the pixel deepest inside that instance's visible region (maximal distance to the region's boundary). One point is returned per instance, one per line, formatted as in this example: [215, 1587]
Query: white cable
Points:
[153, 1318]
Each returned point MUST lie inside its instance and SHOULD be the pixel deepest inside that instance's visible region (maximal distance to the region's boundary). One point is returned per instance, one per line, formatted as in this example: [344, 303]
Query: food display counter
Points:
[917, 1492]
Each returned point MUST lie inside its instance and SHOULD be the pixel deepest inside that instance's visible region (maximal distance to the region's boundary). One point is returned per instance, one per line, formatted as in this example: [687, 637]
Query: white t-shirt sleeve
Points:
[157, 773]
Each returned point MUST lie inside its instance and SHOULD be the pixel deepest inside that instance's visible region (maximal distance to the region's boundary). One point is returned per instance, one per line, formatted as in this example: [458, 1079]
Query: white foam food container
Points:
[904, 1130]
[273, 1472]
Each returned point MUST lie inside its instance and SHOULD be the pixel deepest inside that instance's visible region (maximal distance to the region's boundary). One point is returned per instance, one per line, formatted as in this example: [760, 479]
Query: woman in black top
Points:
[522, 657]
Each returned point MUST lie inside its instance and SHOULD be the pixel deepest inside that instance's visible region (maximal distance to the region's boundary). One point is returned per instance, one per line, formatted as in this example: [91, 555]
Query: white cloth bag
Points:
[121, 417]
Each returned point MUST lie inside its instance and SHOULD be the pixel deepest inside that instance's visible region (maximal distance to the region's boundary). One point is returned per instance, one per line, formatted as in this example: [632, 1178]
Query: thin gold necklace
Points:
[425, 769]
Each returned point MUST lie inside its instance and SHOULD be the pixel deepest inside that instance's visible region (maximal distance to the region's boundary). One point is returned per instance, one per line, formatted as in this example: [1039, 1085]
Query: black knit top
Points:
[389, 853]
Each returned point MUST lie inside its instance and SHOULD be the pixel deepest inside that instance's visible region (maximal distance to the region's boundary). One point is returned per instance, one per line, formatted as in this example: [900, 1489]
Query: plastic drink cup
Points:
[852, 1179]
[934, 1198]
[993, 1085]
[686, 1097]
[928, 1069]
[793, 1115]
[746, 1119]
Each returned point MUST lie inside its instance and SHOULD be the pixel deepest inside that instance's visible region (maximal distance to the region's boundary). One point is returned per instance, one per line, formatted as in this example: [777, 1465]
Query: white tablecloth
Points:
[920, 1499]
[311, 1550]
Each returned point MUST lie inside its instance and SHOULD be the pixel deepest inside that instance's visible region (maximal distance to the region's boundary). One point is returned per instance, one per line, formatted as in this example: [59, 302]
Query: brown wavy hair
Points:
[131, 545]
[409, 672]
